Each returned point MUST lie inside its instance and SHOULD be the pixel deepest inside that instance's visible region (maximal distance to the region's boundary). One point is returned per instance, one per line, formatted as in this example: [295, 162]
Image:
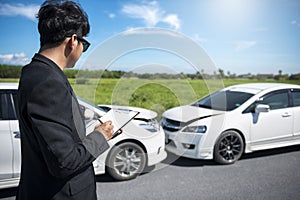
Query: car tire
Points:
[228, 148]
[126, 161]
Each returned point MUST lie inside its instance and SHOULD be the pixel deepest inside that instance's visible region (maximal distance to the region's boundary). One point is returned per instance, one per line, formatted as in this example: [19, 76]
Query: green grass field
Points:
[158, 95]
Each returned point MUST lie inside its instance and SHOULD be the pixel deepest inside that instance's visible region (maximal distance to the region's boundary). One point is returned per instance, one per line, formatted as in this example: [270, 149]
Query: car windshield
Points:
[223, 100]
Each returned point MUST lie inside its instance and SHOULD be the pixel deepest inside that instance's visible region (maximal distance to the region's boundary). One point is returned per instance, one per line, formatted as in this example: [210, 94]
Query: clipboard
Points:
[119, 118]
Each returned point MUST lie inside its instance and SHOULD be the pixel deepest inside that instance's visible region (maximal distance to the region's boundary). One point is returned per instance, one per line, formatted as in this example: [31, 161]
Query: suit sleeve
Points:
[50, 111]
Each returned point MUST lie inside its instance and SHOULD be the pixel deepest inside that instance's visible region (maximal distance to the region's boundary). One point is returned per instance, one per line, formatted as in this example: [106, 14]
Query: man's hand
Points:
[106, 129]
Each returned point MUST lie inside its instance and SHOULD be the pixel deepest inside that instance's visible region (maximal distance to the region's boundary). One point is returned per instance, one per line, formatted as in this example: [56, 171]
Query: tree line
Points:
[9, 71]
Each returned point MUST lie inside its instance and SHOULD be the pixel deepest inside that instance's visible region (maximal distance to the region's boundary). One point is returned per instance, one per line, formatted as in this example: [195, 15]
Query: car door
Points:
[6, 147]
[15, 132]
[296, 110]
[275, 125]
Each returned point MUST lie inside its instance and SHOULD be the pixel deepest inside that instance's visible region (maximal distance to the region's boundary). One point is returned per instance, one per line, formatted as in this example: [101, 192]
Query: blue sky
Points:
[240, 36]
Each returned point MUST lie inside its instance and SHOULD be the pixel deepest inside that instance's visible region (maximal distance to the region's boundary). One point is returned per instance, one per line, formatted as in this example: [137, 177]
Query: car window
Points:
[2, 106]
[276, 100]
[223, 100]
[8, 105]
[296, 97]
[12, 114]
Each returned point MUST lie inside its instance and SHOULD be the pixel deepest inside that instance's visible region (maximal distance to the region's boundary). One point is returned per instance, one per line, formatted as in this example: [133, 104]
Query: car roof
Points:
[9, 86]
[255, 88]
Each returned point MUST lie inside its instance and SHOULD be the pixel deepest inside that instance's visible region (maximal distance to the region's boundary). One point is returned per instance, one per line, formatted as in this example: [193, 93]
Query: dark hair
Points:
[61, 19]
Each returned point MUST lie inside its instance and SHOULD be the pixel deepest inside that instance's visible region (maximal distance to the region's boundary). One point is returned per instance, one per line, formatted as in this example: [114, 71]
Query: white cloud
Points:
[172, 20]
[111, 15]
[151, 31]
[151, 14]
[242, 45]
[294, 22]
[14, 59]
[28, 11]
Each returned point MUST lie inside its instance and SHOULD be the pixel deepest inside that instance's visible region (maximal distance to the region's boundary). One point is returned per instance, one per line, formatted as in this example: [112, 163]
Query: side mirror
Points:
[262, 108]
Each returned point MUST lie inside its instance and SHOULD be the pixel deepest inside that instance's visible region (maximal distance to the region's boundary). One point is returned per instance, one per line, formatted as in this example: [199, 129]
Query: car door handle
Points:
[286, 115]
[17, 134]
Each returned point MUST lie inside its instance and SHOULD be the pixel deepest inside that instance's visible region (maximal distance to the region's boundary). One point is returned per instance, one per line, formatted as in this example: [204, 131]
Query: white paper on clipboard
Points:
[119, 118]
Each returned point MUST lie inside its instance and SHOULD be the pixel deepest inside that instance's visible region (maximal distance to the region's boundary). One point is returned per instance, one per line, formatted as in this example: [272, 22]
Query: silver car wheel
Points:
[126, 161]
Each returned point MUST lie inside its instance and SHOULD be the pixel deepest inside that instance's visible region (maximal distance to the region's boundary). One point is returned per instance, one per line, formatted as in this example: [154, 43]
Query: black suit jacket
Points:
[57, 154]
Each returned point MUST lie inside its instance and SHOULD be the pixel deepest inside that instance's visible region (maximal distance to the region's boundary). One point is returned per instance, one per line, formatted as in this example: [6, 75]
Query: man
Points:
[57, 154]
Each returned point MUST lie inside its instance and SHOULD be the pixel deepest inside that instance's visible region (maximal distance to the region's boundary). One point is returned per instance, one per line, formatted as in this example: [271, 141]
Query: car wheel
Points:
[126, 161]
[228, 148]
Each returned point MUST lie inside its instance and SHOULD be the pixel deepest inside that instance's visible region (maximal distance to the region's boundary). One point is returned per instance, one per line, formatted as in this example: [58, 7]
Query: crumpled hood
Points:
[188, 113]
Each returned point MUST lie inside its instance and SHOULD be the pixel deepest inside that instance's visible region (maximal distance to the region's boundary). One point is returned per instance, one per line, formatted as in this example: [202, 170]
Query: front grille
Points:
[171, 125]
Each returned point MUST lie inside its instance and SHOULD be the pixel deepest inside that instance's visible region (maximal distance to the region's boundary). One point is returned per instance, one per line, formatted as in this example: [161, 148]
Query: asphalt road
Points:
[272, 174]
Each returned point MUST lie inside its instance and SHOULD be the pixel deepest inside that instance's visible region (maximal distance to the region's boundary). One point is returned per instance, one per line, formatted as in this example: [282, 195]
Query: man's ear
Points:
[73, 42]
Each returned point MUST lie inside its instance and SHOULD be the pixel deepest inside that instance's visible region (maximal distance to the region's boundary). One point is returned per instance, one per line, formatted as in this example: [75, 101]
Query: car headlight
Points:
[150, 125]
[195, 129]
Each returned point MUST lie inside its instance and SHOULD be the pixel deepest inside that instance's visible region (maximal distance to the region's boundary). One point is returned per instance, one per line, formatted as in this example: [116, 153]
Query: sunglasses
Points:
[84, 42]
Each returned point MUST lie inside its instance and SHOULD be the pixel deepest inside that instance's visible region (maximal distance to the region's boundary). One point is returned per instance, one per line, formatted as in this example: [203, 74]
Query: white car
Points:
[235, 120]
[141, 144]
